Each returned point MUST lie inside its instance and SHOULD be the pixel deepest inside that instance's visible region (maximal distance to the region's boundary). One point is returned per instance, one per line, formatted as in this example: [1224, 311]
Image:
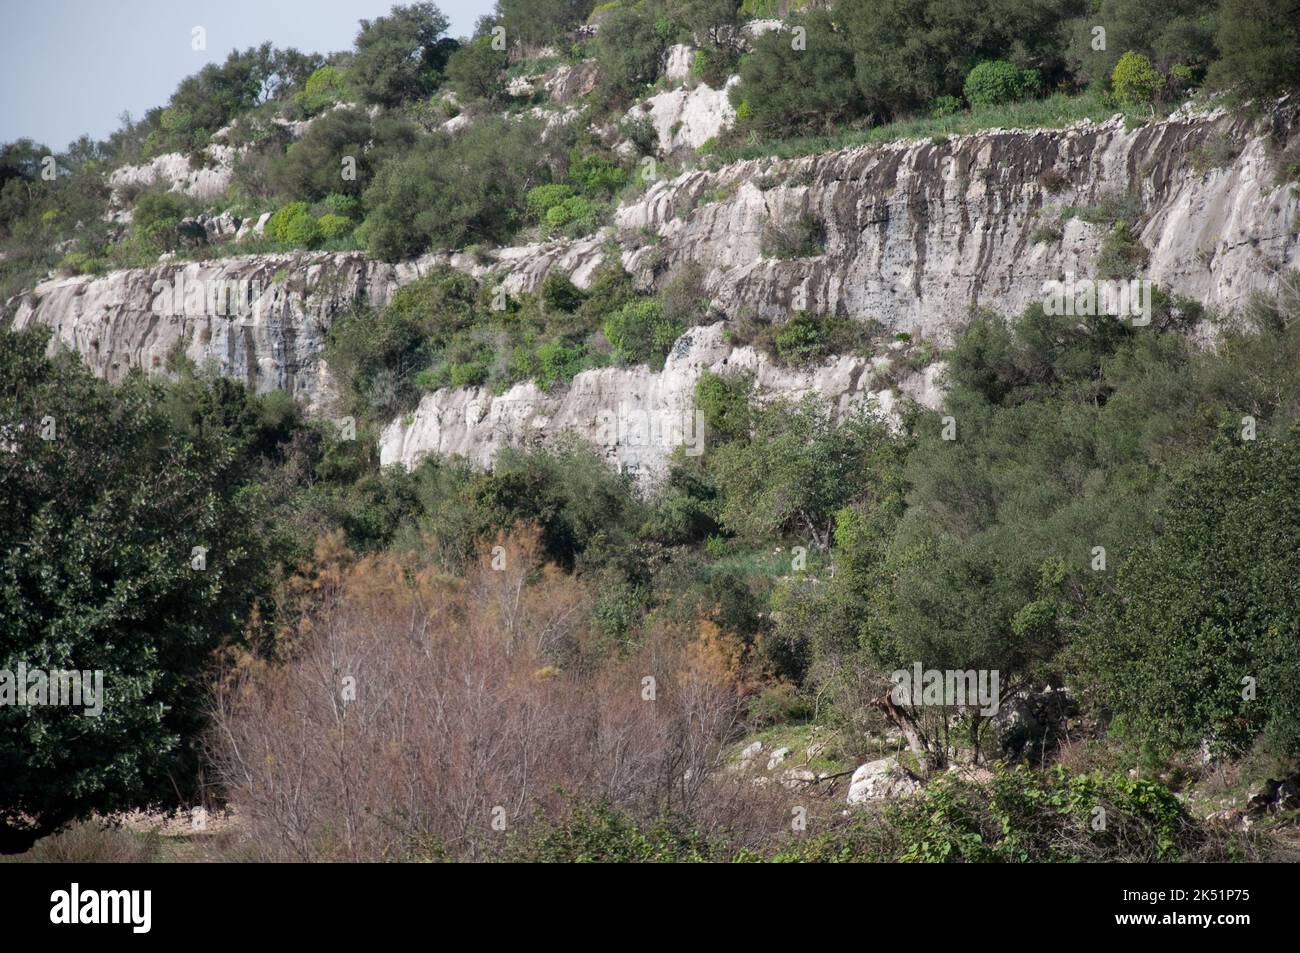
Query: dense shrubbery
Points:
[137, 535]
[448, 331]
[449, 190]
[474, 71]
[786, 91]
[400, 56]
[870, 62]
[639, 332]
[968, 553]
[630, 48]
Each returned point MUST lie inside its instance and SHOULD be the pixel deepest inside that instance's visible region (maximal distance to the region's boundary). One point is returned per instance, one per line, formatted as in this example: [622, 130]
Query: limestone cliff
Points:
[915, 234]
[636, 416]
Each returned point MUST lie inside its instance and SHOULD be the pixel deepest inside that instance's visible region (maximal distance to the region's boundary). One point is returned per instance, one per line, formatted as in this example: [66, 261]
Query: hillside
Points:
[634, 423]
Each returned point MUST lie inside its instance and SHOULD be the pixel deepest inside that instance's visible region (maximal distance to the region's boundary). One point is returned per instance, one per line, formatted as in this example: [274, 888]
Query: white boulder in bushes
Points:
[881, 780]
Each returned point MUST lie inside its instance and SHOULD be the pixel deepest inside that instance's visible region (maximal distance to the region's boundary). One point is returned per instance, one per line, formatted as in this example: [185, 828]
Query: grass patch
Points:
[773, 563]
[799, 738]
[1054, 112]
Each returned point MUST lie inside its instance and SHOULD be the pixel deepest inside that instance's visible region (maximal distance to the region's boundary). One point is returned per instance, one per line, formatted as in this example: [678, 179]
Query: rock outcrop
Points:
[636, 416]
[261, 319]
[915, 234]
[881, 780]
[207, 180]
[687, 118]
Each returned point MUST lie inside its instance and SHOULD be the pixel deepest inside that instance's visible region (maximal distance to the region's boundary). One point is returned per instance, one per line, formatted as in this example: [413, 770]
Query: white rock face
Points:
[758, 27]
[677, 67]
[261, 319]
[881, 780]
[213, 177]
[635, 416]
[173, 169]
[253, 228]
[797, 778]
[686, 118]
[457, 123]
[566, 83]
[919, 232]
[916, 233]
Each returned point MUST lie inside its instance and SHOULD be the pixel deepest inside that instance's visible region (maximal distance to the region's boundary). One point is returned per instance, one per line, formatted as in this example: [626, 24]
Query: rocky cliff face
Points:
[261, 319]
[636, 416]
[915, 234]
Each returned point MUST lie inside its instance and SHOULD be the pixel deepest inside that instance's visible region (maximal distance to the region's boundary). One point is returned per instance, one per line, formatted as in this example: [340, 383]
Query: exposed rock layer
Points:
[636, 416]
[916, 234]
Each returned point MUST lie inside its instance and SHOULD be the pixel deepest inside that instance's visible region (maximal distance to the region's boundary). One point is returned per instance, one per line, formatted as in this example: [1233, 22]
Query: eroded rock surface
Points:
[916, 234]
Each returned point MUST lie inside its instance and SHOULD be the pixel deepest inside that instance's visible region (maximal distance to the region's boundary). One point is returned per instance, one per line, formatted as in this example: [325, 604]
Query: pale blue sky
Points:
[73, 66]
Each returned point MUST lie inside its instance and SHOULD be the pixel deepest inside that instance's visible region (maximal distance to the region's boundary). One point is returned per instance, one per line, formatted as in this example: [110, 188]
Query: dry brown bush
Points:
[474, 702]
[95, 841]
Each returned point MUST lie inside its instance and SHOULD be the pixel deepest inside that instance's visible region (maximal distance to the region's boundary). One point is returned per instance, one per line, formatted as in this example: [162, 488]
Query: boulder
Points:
[1230, 818]
[778, 756]
[881, 780]
[566, 83]
[795, 778]
[223, 226]
[1015, 725]
[687, 118]
[1276, 794]
[252, 229]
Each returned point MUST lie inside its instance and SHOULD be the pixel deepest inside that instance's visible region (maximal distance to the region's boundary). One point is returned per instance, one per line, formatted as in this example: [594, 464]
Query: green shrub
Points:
[559, 362]
[293, 225]
[1121, 254]
[543, 198]
[576, 215]
[798, 92]
[599, 834]
[76, 528]
[156, 216]
[400, 56]
[640, 333]
[1206, 610]
[312, 167]
[994, 82]
[475, 70]
[1259, 47]
[559, 293]
[333, 226]
[596, 175]
[724, 402]
[375, 355]
[944, 106]
[1135, 81]
[468, 374]
[450, 191]
[808, 338]
[1027, 816]
[799, 236]
[641, 132]
[629, 49]
[323, 88]
[341, 204]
